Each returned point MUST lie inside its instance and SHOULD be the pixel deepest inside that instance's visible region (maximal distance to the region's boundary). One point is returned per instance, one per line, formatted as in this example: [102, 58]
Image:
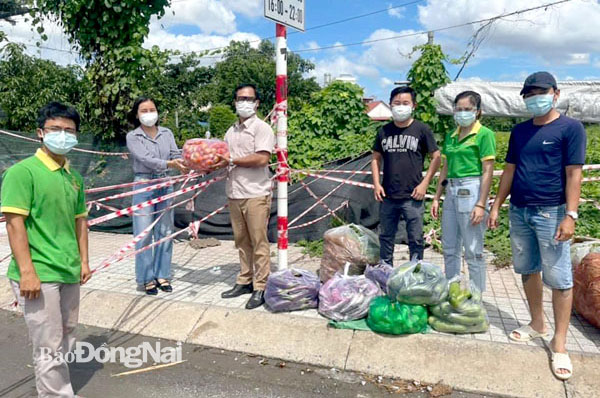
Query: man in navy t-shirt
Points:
[543, 176]
[401, 146]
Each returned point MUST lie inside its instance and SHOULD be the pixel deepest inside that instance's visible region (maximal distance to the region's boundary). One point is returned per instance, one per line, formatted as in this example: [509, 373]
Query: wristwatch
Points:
[231, 162]
[573, 215]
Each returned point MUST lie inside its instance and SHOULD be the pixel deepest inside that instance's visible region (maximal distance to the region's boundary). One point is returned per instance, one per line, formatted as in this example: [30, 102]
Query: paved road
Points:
[206, 372]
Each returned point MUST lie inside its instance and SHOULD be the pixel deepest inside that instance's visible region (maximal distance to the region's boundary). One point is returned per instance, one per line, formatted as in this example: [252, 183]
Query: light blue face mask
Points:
[539, 105]
[60, 142]
[465, 118]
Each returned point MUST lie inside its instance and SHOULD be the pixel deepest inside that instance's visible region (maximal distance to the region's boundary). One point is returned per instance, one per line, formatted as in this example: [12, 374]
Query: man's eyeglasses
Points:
[245, 99]
[57, 129]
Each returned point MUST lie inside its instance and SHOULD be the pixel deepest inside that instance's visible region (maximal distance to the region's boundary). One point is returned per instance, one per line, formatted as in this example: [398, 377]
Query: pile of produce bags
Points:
[586, 290]
[291, 290]
[462, 312]
[352, 244]
[418, 282]
[345, 297]
[391, 317]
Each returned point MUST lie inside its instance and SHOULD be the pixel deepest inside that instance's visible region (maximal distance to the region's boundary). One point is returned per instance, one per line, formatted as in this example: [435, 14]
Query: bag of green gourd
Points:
[391, 317]
[417, 282]
[462, 312]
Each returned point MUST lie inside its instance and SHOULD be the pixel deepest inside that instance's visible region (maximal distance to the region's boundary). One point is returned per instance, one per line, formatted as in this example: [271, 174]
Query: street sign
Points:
[286, 12]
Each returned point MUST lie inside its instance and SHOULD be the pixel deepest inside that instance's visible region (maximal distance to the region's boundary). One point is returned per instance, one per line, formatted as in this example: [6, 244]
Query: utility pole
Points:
[430, 37]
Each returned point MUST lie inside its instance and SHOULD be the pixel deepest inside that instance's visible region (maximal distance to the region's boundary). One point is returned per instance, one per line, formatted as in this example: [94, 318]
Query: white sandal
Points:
[562, 361]
[526, 333]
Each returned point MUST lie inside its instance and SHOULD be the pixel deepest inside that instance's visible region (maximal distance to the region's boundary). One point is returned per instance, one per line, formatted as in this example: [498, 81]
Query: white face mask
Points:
[401, 113]
[149, 119]
[245, 109]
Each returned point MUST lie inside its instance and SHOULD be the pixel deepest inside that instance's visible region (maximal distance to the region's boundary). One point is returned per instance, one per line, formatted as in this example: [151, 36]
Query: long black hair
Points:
[132, 116]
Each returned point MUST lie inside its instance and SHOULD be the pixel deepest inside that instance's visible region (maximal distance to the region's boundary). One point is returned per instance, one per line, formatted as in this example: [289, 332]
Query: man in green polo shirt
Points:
[43, 200]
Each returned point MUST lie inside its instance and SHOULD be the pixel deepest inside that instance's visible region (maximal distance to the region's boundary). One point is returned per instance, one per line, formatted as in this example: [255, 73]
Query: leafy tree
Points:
[28, 83]
[220, 118]
[178, 92]
[244, 64]
[109, 35]
[332, 125]
[426, 75]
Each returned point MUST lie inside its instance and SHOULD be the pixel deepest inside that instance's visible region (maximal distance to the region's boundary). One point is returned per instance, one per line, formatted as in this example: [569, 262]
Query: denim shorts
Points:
[534, 249]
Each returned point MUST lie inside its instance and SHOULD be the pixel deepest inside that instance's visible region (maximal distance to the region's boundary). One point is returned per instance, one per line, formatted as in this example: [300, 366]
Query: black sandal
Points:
[165, 285]
[151, 289]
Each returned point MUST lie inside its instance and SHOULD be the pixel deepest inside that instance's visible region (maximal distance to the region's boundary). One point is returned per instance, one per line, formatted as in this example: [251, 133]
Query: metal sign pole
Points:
[282, 153]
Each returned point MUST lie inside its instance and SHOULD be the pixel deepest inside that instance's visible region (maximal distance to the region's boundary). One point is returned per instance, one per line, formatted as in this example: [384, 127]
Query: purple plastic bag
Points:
[291, 290]
[379, 274]
[346, 298]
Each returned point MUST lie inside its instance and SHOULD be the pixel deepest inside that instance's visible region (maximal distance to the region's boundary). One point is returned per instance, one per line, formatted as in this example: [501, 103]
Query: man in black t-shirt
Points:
[402, 146]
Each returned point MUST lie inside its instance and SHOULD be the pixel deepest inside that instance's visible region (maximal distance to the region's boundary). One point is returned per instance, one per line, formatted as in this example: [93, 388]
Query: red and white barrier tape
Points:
[316, 220]
[315, 197]
[129, 245]
[132, 184]
[315, 204]
[130, 210]
[145, 189]
[349, 182]
[191, 228]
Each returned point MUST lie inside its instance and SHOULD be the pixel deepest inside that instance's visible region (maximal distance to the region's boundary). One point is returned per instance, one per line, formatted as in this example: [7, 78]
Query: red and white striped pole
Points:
[282, 154]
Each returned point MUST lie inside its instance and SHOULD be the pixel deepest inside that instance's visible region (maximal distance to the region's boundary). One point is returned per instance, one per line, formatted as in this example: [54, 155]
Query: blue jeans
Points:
[532, 231]
[154, 263]
[457, 231]
[389, 216]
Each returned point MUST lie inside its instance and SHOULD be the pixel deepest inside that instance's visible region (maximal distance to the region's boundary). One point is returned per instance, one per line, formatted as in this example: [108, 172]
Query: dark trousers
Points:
[389, 215]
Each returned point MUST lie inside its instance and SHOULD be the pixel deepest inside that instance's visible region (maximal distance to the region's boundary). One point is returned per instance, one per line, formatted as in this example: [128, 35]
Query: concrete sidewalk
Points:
[196, 314]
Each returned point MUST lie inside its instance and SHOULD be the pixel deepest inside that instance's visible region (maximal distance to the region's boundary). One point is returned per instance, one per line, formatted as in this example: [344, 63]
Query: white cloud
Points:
[339, 65]
[198, 42]
[396, 12]
[249, 8]
[578, 59]
[384, 82]
[210, 16]
[392, 54]
[553, 33]
[312, 45]
[57, 48]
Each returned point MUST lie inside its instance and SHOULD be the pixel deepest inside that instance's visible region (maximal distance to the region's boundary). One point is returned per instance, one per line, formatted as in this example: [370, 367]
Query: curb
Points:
[465, 364]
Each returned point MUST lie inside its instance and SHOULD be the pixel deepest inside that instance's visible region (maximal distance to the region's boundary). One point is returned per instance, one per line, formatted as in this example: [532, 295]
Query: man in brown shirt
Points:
[251, 142]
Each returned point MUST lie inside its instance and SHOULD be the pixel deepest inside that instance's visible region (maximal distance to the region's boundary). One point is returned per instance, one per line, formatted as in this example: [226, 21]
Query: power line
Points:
[325, 24]
[359, 16]
[422, 32]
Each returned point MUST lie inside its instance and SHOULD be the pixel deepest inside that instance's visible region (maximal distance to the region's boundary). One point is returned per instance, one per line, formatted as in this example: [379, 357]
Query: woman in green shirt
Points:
[468, 154]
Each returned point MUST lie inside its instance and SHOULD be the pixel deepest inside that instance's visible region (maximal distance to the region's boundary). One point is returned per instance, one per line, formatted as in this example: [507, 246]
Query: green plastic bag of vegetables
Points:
[418, 282]
[462, 312]
[390, 317]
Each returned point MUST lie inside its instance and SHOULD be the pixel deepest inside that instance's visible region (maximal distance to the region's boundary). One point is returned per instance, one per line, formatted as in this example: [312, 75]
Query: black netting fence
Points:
[99, 171]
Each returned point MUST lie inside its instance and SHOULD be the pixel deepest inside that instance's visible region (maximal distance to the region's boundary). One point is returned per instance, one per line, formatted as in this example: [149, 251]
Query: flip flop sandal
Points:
[164, 285]
[526, 333]
[562, 361]
[151, 289]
